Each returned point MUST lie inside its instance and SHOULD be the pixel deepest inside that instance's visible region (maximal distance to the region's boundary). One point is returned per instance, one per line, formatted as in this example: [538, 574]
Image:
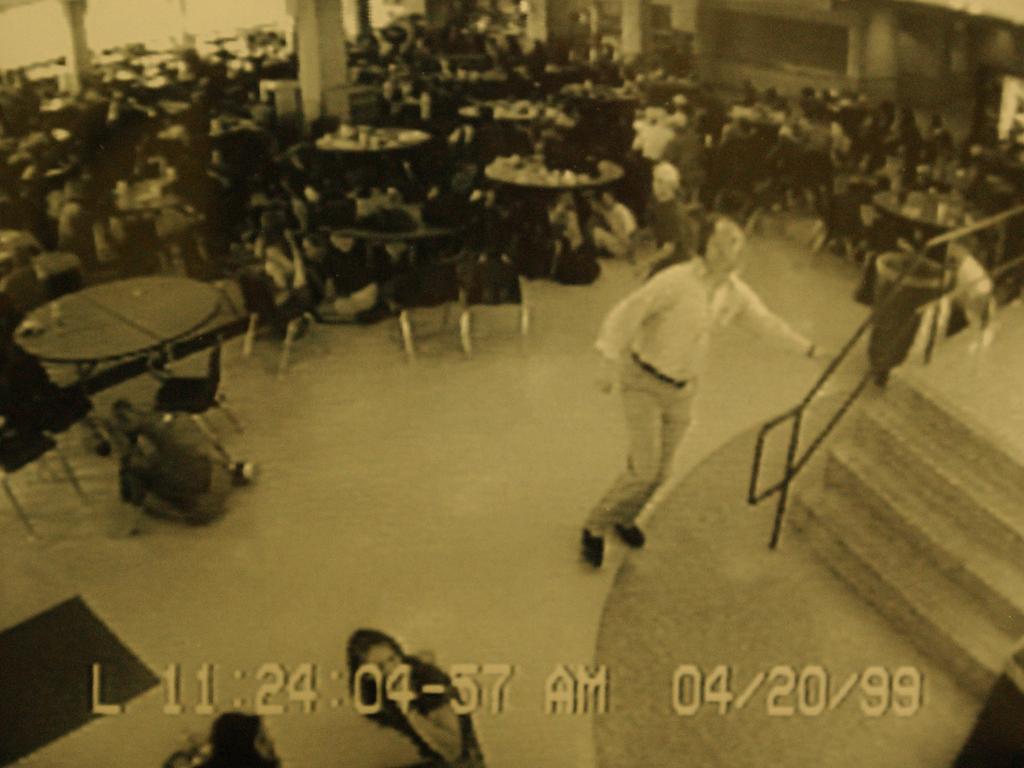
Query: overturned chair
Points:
[197, 396]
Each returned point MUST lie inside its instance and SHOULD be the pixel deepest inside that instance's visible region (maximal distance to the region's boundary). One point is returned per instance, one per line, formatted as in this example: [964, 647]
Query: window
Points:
[31, 34]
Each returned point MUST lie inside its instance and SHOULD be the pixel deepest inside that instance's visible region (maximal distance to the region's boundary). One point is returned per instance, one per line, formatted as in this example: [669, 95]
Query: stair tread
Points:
[951, 610]
[955, 432]
[950, 466]
[936, 527]
[956, 404]
[921, 436]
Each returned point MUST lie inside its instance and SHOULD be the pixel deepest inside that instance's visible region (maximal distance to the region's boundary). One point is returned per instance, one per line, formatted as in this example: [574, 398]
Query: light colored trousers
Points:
[657, 416]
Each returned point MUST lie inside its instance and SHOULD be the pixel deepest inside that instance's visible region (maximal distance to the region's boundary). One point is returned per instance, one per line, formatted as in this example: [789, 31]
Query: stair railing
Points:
[795, 460]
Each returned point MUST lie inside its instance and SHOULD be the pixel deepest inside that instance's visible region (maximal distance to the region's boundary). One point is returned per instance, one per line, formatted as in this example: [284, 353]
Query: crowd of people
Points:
[182, 162]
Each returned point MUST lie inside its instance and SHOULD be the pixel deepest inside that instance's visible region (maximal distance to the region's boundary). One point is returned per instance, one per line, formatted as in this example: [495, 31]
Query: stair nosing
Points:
[987, 645]
[970, 484]
[968, 556]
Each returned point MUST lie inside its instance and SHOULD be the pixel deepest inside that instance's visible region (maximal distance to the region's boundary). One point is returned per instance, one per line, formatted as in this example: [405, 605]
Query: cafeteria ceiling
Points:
[1010, 10]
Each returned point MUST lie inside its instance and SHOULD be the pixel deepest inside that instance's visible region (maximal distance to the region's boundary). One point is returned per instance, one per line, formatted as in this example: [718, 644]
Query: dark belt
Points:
[658, 374]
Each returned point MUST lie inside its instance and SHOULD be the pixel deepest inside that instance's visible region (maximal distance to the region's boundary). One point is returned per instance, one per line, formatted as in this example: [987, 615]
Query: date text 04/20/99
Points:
[207, 688]
[810, 691]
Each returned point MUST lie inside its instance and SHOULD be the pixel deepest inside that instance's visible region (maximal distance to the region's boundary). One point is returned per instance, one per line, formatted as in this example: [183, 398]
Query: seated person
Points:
[75, 224]
[239, 739]
[441, 737]
[169, 468]
[340, 275]
[236, 740]
[278, 249]
[19, 283]
[612, 226]
[574, 262]
[30, 402]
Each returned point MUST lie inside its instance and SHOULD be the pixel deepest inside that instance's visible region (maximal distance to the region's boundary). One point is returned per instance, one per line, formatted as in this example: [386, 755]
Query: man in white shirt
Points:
[655, 343]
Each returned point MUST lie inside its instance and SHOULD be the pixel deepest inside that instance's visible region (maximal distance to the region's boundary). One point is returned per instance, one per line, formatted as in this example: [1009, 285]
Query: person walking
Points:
[654, 344]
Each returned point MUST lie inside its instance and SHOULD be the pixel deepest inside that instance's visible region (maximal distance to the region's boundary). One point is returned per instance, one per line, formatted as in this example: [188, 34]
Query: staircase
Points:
[922, 512]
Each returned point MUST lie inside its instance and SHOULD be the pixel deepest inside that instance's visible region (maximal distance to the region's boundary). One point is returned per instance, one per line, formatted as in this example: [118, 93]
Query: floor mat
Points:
[46, 676]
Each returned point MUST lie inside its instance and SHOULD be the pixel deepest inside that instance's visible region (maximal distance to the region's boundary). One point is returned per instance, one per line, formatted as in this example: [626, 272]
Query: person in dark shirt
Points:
[675, 233]
[443, 738]
[340, 278]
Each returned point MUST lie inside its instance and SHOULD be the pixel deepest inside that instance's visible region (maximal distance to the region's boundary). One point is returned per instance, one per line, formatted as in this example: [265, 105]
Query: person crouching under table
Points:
[169, 469]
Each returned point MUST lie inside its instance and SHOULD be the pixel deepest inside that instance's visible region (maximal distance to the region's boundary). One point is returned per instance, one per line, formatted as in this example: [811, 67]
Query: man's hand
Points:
[816, 352]
[607, 377]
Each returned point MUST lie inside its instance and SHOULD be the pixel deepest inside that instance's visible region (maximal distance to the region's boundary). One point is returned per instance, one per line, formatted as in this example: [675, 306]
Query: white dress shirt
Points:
[667, 323]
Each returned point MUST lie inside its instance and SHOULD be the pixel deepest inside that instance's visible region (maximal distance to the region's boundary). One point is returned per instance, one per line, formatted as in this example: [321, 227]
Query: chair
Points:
[433, 285]
[18, 450]
[258, 297]
[60, 273]
[197, 395]
[490, 281]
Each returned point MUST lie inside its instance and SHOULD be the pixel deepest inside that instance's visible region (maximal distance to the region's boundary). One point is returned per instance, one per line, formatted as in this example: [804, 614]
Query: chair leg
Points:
[289, 339]
[229, 413]
[407, 341]
[204, 427]
[466, 331]
[18, 509]
[250, 335]
[69, 470]
[524, 319]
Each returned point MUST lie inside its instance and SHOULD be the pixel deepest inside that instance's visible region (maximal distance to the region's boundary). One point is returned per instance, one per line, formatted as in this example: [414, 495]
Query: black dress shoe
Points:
[632, 535]
[593, 549]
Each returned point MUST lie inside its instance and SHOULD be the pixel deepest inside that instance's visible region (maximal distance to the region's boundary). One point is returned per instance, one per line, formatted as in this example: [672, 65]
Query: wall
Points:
[934, 58]
[999, 47]
[716, 39]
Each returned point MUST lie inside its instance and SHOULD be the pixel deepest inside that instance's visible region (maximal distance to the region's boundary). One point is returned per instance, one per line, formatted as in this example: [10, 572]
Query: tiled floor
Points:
[440, 502]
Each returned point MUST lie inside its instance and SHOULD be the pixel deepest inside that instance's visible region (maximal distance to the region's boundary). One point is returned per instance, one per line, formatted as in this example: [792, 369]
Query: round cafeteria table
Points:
[117, 320]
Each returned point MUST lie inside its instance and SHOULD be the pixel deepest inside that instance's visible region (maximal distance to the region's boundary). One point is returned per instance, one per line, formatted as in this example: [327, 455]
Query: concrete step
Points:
[935, 614]
[908, 507]
[969, 449]
[982, 511]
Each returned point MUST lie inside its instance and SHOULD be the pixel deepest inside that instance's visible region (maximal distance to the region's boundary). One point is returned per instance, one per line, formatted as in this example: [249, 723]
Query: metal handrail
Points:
[795, 461]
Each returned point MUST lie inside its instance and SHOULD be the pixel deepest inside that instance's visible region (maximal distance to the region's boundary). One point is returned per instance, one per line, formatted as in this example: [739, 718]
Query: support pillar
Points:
[684, 16]
[78, 46]
[635, 23]
[537, 21]
[323, 59]
[188, 40]
[350, 18]
[880, 57]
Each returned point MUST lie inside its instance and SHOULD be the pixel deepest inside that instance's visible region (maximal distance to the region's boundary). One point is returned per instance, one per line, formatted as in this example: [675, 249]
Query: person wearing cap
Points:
[654, 346]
